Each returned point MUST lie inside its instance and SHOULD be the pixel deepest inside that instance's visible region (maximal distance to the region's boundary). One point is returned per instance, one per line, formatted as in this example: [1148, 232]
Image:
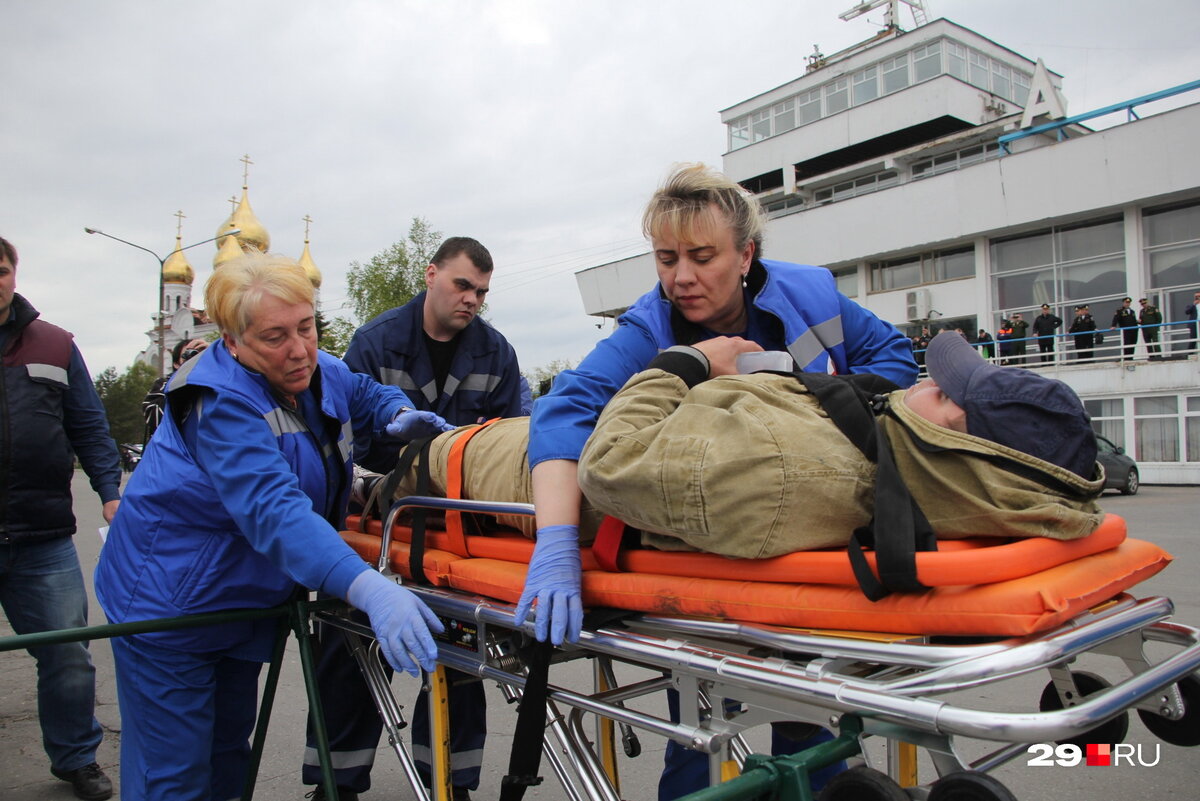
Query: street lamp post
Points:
[161, 261]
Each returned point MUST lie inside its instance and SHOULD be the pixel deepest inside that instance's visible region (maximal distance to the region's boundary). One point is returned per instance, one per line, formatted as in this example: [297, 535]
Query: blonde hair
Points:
[682, 202]
[237, 287]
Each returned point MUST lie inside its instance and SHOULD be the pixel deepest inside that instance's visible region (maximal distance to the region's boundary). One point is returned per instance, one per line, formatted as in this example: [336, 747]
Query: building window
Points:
[923, 268]
[1021, 87]
[956, 60]
[859, 186]
[808, 106]
[1002, 80]
[895, 74]
[950, 264]
[760, 126]
[896, 274]
[837, 97]
[1173, 246]
[847, 283]
[1191, 422]
[978, 75]
[1076, 264]
[866, 85]
[739, 133]
[785, 116]
[927, 62]
[1108, 418]
[1156, 428]
[948, 162]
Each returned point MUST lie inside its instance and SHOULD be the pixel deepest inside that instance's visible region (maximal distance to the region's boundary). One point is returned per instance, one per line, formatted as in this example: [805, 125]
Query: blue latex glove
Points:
[411, 424]
[553, 580]
[400, 620]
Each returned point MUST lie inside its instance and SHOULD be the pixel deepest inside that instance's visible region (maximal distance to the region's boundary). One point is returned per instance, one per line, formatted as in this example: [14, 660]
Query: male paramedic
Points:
[450, 361]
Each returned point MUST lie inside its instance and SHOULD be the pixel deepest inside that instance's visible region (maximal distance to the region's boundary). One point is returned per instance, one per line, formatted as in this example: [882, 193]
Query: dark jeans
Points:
[41, 589]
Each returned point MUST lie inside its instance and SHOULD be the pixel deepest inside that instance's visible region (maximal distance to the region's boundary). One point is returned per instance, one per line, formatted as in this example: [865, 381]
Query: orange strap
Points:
[607, 544]
[454, 483]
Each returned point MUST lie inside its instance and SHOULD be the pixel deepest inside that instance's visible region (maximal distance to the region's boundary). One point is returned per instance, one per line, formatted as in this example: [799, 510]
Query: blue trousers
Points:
[186, 721]
[354, 727]
[686, 771]
[41, 589]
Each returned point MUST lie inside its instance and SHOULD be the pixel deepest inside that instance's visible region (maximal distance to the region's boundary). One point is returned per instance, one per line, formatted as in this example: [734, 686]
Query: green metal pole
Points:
[267, 703]
[304, 638]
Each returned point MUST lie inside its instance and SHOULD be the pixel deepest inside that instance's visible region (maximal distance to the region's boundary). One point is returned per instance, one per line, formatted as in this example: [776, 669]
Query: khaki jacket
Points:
[495, 468]
[750, 466]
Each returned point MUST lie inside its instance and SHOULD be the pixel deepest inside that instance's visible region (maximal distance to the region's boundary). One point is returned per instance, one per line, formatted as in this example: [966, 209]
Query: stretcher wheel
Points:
[1186, 730]
[861, 783]
[969, 785]
[1111, 731]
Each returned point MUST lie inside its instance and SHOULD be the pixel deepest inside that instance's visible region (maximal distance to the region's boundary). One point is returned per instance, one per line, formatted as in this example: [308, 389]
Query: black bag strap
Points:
[526, 754]
[852, 403]
[415, 451]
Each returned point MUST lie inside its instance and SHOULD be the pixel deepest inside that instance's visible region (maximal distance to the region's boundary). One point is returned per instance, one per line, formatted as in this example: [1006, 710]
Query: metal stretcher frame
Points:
[734, 676]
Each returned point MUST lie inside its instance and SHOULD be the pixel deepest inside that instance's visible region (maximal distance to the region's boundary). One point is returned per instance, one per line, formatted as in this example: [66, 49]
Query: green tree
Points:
[540, 378]
[392, 277]
[122, 397]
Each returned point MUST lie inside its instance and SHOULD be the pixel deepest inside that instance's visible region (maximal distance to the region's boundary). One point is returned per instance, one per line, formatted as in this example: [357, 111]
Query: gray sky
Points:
[539, 127]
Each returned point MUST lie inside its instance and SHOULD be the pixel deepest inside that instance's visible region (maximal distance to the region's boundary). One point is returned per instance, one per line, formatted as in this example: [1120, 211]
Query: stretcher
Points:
[801, 645]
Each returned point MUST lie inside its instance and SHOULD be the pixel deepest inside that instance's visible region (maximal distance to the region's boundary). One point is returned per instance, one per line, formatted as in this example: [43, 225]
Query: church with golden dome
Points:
[178, 320]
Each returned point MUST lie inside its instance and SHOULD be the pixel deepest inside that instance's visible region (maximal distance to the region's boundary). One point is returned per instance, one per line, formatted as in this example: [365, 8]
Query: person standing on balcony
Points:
[1150, 318]
[1020, 334]
[1126, 319]
[1082, 327]
[1044, 326]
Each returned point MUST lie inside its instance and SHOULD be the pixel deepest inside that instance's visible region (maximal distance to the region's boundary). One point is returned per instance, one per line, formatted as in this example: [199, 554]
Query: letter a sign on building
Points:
[1044, 98]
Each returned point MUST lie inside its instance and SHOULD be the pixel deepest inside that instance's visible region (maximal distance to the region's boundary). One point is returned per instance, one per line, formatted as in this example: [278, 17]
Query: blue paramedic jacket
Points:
[792, 307]
[484, 380]
[237, 500]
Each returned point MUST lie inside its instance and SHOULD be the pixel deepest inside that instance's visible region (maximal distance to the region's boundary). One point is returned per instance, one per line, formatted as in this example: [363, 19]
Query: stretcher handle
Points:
[445, 504]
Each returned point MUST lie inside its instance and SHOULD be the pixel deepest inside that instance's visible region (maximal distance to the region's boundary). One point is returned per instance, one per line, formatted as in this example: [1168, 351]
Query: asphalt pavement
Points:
[1165, 515]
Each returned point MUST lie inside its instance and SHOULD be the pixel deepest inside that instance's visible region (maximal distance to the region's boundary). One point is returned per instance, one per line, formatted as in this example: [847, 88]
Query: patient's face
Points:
[927, 400]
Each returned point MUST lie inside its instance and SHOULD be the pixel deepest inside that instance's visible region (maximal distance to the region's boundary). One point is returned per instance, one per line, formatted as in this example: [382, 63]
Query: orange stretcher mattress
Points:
[1050, 582]
[980, 561]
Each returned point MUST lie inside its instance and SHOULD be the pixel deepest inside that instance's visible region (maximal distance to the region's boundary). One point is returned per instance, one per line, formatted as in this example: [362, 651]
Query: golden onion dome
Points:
[253, 233]
[176, 269]
[310, 267]
[230, 249]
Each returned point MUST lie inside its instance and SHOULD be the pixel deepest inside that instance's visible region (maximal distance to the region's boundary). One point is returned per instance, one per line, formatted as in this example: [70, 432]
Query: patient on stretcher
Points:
[751, 465]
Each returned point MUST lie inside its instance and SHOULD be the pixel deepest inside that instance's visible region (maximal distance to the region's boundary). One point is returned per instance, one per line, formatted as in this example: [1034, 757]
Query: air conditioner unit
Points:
[916, 304]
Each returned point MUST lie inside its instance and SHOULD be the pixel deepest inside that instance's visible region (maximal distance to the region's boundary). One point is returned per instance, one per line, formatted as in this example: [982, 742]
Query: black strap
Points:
[526, 754]
[852, 402]
[409, 454]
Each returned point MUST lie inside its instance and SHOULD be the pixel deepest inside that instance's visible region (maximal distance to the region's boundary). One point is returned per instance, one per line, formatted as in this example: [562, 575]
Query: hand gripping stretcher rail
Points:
[736, 674]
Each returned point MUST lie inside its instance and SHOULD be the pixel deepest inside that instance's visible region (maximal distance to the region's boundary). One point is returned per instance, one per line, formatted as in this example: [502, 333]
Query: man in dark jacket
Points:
[1126, 319]
[1082, 327]
[1044, 326]
[50, 414]
[447, 360]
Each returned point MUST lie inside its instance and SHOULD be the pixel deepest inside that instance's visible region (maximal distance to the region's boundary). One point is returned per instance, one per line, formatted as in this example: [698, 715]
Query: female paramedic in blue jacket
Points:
[717, 293]
[238, 499]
